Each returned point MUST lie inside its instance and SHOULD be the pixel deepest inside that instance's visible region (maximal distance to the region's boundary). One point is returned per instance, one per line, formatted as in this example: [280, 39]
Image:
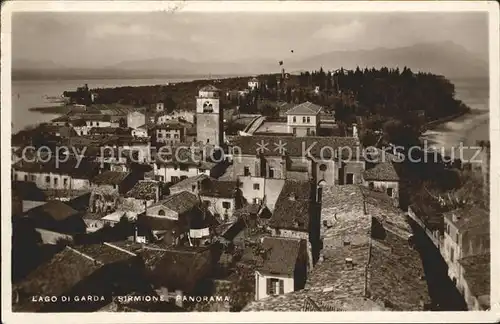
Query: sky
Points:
[103, 39]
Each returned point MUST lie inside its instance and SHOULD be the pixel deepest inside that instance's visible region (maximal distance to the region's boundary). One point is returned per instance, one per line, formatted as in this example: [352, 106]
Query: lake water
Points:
[29, 94]
[468, 129]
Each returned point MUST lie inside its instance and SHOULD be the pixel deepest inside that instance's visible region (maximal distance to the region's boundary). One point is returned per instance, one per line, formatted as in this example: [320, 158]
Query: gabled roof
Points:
[477, 273]
[305, 108]
[110, 178]
[179, 268]
[209, 87]
[469, 217]
[66, 269]
[220, 189]
[180, 202]
[383, 171]
[144, 189]
[186, 183]
[292, 209]
[281, 255]
[55, 209]
[27, 191]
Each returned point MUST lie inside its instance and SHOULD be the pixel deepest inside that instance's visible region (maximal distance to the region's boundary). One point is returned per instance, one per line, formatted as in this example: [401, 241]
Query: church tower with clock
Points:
[209, 125]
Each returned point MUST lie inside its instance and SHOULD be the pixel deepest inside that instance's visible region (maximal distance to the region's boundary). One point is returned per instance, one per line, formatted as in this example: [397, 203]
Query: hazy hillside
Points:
[446, 58]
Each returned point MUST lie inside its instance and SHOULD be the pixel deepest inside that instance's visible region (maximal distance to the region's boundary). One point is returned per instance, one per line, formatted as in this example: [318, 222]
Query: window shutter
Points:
[282, 288]
[269, 284]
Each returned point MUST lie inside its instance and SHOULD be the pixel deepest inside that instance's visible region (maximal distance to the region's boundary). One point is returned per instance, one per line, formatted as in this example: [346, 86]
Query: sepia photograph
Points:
[213, 157]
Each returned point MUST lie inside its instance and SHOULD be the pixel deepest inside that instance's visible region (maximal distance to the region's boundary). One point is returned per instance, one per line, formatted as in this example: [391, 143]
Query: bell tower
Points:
[209, 126]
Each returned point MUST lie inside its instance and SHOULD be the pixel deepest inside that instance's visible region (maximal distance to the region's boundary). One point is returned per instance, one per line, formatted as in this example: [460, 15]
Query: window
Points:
[167, 135]
[161, 212]
[174, 179]
[97, 123]
[183, 178]
[33, 177]
[275, 286]
[452, 252]
[389, 192]
[176, 135]
[456, 238]
[294, 119]
[349, 178]
[256, 186]
[47, 179]
[183, 167]
[308, 120]
[303, 120]
[56, 182]
[246, 171]
[160, 135]
[65, 182]
[322, 167]
[294, 131]
[371, 185]
[226, 204]
[313, 133]
[271, 173]
[206, 203]
[25, 177]
[308, 132]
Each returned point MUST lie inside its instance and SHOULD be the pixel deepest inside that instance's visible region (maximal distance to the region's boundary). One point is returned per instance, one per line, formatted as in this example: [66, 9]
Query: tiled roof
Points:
[209, 87]
[281, 254]
[27, 191]
[66, 269]
[110, 130]
[220, 189]
[381, 206]
[295, 146]
[342, 208]
[171, 125]
[477, 273]
[85, 169]
[63, 131]
[300, 301]
[110, 178]
[144, 189]
[292, 208]
[55, 209]
[95, 117]
[186, 183]
[395, 274]
[305, 108]
[180, 202]
[333, 273]
[469, 217]
[180, 268]
[383, 171]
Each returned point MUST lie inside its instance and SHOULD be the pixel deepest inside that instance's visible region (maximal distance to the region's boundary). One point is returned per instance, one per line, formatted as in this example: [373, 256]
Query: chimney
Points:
[178, 298]
[349, 264]
[354, 130]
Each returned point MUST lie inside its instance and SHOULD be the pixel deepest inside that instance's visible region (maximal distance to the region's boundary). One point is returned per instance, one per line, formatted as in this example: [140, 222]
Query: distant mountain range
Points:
[447, 58]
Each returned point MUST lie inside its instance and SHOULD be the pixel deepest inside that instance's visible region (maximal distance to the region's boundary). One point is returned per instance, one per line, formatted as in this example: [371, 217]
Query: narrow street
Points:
[444, 294]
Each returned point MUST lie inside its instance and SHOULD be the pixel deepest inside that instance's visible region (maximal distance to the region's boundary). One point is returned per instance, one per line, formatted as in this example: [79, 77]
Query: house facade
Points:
[304, 119]
[135, 119]
[284, 267]
[321, 159]
[466, 233]
[221, 198]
